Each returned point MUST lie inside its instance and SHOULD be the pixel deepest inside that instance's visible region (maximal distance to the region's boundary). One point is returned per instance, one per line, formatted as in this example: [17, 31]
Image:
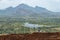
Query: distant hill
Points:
[24, 10]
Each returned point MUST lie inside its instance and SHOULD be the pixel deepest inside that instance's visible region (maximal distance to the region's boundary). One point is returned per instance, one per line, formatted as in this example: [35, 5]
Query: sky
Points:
[52, 5]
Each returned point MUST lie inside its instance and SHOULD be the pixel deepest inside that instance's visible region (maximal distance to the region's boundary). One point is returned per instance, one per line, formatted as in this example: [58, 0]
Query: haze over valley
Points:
[23, 18]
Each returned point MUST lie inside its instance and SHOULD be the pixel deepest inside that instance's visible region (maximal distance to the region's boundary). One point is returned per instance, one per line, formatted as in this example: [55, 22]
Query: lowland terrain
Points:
[15, 25]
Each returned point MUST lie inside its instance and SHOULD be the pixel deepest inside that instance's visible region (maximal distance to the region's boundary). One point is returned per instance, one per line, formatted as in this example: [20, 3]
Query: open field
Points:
[57, 28]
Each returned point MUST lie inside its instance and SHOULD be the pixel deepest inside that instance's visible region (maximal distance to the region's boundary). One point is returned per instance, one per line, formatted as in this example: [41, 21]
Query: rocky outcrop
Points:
[33, 36]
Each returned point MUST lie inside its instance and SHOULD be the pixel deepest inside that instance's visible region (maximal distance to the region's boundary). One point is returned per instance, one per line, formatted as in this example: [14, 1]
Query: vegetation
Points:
[15, 25]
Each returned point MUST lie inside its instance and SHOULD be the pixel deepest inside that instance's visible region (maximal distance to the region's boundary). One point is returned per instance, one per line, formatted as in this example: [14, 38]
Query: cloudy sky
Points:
[53, 5]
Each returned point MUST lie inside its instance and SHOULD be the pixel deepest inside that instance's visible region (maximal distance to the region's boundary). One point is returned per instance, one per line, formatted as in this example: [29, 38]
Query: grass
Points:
[15, 25]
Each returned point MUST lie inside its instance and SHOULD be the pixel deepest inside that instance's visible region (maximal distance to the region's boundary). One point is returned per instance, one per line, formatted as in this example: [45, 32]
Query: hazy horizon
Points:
[52, 5]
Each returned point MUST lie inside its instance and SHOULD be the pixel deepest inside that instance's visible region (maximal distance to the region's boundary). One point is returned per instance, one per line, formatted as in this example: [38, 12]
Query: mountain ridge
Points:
[26, 10]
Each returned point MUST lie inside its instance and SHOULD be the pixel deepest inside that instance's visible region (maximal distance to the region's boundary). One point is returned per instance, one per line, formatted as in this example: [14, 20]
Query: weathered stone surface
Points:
[33, 36]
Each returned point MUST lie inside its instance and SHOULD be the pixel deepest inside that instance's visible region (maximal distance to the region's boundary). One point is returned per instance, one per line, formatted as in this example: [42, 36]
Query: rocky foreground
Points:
[33, 36]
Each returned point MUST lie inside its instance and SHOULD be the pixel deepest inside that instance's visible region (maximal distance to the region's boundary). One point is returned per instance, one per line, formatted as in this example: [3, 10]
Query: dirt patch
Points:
[33, 36]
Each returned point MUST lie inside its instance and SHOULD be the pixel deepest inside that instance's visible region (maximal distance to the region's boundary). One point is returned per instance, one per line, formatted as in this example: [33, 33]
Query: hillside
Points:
[24, 10]
[13, 19]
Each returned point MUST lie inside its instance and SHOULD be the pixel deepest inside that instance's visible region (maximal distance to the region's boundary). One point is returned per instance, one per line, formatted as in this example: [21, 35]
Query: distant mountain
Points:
[24, 10]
